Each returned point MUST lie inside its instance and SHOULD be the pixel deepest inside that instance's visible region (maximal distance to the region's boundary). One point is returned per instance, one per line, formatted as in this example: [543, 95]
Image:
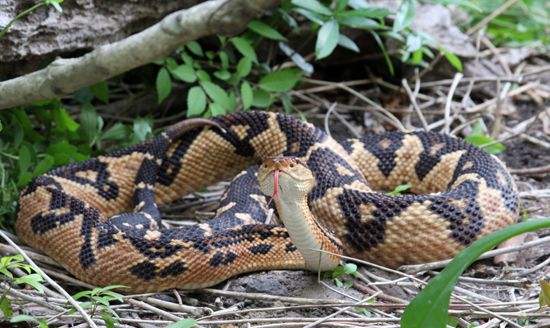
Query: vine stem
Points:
[60, 289]
[19, 16]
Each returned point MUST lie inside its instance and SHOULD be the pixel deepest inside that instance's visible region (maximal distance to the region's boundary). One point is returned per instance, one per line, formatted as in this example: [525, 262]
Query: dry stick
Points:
[532, 170]
[316, 323]
[50, 281]
[446, 127]
[268, 297]
[155, 310]
[415, 104]
[480, 308]
[64, 76]
[483, 106]
[440, 264]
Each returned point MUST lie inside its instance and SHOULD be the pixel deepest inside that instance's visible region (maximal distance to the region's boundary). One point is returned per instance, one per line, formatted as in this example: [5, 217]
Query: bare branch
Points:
[64, 76]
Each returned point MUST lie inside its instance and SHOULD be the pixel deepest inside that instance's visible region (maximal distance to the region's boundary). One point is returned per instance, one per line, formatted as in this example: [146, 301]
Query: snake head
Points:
[286, 177]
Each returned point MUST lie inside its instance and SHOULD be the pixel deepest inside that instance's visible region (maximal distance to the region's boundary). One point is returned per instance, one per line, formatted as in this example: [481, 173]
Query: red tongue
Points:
[275, 184]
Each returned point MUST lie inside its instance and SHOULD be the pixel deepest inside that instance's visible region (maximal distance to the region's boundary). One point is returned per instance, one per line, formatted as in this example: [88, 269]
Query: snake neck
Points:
[307, 234]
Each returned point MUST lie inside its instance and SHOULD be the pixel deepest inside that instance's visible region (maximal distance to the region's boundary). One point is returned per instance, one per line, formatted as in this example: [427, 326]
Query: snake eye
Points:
[292, 164]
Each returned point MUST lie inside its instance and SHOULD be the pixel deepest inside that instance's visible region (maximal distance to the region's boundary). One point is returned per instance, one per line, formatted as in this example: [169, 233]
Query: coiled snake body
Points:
[98, 218]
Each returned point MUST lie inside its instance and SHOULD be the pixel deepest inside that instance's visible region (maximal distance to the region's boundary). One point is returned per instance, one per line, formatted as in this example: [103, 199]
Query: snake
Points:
[100, 218]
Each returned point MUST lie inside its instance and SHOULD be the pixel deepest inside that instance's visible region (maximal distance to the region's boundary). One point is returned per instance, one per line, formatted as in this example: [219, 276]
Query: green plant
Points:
[99, 301]
[429, 308]
[399, 189]
[42, 3]
[479, 139]
[340, 274]
[185, 323]
[32, 278]
[229, 78]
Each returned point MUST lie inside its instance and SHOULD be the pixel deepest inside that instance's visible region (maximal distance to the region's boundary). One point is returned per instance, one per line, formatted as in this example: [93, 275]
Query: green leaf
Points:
[63, 121]
[222, 75]
[314, 6]
[327, 39]
[246, 95]
[164, 84]
[481, 140]
[265, 30]
[43, 166]
[196, 101]
[453, 59]
[216, 93]
[360, 23]
[404, 15]
[25, 157]
[347, 43]
[34, 279]
[5, 306]
[243, 67]
[90, 123]
[280, 81]
[261, 98]
[142, 128]
[203, 75]
[101, 91]
[399, 189]
[366, 12]
[350, 268]
[216, 109]
[185, 323]
[184, 73]
[195, 48]
[22, 318]
[244, 48]
[384, 52]
[316, 18]
[117, 132]
[341, 5]
[429, 308]
[544, 297]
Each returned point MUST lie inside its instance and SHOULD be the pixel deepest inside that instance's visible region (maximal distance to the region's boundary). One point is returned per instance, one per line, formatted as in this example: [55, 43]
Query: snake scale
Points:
[99, 218]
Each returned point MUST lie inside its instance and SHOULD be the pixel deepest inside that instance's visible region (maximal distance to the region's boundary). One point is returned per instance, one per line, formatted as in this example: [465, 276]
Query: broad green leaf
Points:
[101, 91]
[195, 48]
[43, 166]
[34, 279]
[164, 84]
[25, 157]
[142, 128]
[480, 140]
[196, 101]
[350, 268]
[314, 6]
[185, 323]
[327, 39]
[243, 67]
[63, 120]
[117, 132]
[347, 43]
[265, 30]
[203, 75]
[224, 59]
[184, 73]
[222, 75]
[261, 98]
[244, 48]
[5, 306]
[430, 307]
[280, 81]
[544, 297]
[90, 123]
[246, 95]
[170, 63]
[216, 109]
[216, 93]
[404, 15]
[453, 59]
[109, 321]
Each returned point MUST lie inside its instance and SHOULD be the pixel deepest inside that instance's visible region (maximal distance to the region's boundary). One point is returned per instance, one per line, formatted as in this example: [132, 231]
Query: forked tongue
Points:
[275, 184]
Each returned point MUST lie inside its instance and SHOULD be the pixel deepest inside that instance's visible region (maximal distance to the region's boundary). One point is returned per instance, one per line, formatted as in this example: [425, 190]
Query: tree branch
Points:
[64, 76]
